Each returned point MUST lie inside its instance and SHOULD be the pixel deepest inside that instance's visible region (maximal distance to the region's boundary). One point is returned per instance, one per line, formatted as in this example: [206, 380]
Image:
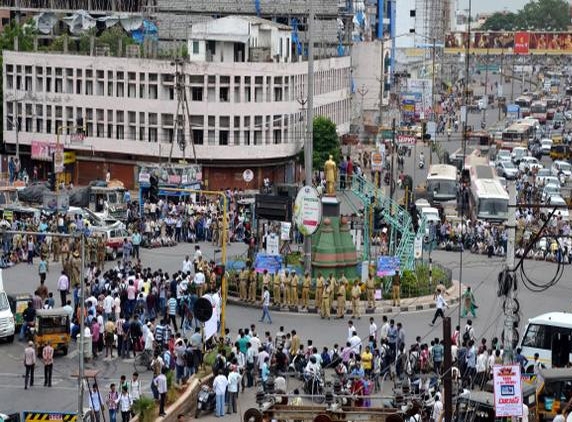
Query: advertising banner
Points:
[508, 391]
[387, 265]
[307, 210]
[520, 42]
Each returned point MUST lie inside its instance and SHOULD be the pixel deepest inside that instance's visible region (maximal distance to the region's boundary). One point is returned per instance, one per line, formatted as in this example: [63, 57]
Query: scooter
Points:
[206, 400]
[421, 164]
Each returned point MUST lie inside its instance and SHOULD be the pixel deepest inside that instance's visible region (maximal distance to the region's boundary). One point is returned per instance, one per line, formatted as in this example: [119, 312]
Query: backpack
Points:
[467, 335]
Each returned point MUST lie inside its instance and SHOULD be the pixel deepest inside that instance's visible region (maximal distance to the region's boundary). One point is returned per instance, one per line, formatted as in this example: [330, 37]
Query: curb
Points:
[421, 303]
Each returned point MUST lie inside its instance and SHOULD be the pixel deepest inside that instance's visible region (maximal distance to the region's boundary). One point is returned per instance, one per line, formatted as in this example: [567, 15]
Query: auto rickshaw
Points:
[18, 303]
[554, 391]
[53, 326]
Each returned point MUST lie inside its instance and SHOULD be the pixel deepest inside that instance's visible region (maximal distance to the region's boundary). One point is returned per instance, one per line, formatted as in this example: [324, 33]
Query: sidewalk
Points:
[383, 307]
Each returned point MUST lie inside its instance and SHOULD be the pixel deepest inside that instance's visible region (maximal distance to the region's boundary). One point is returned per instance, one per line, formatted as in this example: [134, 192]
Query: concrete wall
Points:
[366, 63]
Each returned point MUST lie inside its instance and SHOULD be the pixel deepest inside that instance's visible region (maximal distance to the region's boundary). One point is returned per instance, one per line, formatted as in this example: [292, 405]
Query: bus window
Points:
[537, 336]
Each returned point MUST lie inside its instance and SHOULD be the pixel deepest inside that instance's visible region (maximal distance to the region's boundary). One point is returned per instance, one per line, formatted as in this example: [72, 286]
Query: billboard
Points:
[520, 42]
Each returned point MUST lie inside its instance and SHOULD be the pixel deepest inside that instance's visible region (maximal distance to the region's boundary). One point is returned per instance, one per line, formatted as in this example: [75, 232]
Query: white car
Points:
[517, 154]
[507, 170]
[549, 180]
[503, 155]
[529, 163]
[550, 190]
[558, 201]
[546, 146]
[564, 167]
[542, 174]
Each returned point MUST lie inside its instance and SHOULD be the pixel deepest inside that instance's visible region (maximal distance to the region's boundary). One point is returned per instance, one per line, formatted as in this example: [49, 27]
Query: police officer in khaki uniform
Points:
[333, 289]
[265, 282]
[370, 289]
[341, 300]
[396, 289]
[325, 304]
[276, 286]
[242, 283]
[65, 250]
[100, 253]
[75, 264]
[356, 294]
[306, 290]
[287, 284]
[252, 279]
[320, 282]
[55, 249]
[294, 289]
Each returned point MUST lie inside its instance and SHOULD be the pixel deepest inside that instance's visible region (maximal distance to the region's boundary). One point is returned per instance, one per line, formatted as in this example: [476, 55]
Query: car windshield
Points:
[565, 167]
[4, 304]
[546, 143]
[543, 173]
[509, 165]
[493, 207]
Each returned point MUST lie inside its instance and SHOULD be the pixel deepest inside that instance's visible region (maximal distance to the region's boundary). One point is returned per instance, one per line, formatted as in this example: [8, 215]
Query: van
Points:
[113, 237]
[7, 323]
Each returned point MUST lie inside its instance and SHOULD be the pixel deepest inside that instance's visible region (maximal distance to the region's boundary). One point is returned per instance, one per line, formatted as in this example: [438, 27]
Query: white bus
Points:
[549, 335]
[442, 183]
[489, 200]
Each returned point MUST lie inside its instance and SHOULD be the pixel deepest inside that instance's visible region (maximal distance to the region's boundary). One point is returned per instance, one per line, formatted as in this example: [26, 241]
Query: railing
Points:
[395, 215]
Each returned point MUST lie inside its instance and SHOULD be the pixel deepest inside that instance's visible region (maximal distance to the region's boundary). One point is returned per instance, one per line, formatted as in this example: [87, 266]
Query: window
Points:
[537, 336]
[195, 47]
[224, 95]
[223, 137]
[198, 136]
[412, 13]
[197, 93]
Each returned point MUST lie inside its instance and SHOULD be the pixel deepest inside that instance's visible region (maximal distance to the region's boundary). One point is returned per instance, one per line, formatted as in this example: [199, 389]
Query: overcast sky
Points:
[487, 6]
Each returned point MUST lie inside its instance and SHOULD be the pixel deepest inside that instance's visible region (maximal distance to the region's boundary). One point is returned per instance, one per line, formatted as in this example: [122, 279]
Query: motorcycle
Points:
[421, 164]
[206, 400]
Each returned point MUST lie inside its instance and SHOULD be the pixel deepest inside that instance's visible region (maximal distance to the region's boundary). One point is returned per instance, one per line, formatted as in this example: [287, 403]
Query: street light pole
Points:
[309, 144]
[16, 128]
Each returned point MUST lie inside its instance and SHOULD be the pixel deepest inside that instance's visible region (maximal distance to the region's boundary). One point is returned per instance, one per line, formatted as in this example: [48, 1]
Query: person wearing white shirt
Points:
[234, 379]
[220, 383]
[351, 329]
[384, 331]
[107, 307]
[135, 387]
[187, 265]
[124, 401]
[199, 282]
[440, 305]
[95, 402]
[437, 408]
[373, 329]
[481, 369]
[149, 340]
[355, 342]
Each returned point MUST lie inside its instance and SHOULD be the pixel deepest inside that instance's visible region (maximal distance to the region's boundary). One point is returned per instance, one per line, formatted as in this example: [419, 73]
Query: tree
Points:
[500, 21]
[326, 143]
[536, 15]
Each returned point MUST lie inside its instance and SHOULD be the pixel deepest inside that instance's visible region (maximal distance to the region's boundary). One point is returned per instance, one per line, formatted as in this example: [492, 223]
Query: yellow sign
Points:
[49, 416]
[8, 215]
[69, 157]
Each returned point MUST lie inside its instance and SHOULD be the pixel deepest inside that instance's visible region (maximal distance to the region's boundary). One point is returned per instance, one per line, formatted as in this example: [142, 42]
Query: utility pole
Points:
[465, 125]
[382, 81]
[509, 302]
[309, 144]
[501, 81]
[447, 377]
[16, 123]
[391, 177]
[433, 105]
[486, 99]
[81, 346]
[362, 91]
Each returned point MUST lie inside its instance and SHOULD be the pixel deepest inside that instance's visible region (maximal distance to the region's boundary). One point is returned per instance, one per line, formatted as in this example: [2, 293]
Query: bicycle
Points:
[143, 361]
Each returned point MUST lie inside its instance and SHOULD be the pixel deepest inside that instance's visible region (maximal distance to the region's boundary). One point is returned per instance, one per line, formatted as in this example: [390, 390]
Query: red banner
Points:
[521, 42]
[43, 151]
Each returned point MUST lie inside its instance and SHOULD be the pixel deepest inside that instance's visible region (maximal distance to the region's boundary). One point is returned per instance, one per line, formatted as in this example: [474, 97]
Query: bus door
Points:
[561, 347]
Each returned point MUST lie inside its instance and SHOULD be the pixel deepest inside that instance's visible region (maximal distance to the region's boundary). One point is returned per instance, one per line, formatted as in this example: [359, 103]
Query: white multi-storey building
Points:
[243, 115]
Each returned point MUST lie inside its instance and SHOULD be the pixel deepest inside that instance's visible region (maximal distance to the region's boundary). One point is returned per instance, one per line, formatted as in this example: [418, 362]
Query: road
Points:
[478, 272]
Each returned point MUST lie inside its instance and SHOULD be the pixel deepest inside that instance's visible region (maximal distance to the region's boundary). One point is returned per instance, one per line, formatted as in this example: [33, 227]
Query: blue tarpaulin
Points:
[147, 30]
[387, 265]
[272, 263]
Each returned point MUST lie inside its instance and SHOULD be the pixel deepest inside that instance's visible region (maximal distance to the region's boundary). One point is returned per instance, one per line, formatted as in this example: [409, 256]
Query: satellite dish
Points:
[203, 309]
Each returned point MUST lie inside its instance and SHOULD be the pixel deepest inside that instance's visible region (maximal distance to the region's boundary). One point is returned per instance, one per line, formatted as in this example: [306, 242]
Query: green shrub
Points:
[145, 409]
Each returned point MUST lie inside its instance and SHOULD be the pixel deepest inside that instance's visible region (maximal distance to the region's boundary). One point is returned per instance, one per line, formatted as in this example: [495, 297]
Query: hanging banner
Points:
[508, 391]
[387, 265]
[285, 230]
[272, 244]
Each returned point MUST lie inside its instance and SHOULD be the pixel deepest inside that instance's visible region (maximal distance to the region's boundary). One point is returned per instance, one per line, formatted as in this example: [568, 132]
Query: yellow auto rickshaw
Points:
[53, 326]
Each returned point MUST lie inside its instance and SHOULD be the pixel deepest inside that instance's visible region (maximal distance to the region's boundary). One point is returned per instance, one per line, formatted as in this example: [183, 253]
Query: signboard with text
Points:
[174, 174]
[307, 210]
[520, 42]
[406, 139]
[508, 390]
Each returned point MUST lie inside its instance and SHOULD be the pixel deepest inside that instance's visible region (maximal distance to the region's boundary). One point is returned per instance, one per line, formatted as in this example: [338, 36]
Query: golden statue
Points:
[330, 171]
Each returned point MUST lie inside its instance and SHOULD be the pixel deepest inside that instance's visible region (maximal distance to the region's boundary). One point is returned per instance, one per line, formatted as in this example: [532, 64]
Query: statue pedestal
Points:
[330, 206]
[333, 251]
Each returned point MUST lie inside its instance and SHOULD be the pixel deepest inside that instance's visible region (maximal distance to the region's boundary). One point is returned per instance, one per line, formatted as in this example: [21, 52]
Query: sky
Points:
[488, 6]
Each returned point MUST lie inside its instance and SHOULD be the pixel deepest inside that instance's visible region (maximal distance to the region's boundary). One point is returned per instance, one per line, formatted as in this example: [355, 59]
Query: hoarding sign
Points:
[508, 391]
[521, 42]
[307, 210]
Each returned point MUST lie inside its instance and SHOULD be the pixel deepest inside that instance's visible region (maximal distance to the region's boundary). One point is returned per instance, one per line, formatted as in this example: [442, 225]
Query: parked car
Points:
[529, 163]
[557, 201]
[113, 237]
[507, 170]
[562, 167]
[546, 145]
[550, 190]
